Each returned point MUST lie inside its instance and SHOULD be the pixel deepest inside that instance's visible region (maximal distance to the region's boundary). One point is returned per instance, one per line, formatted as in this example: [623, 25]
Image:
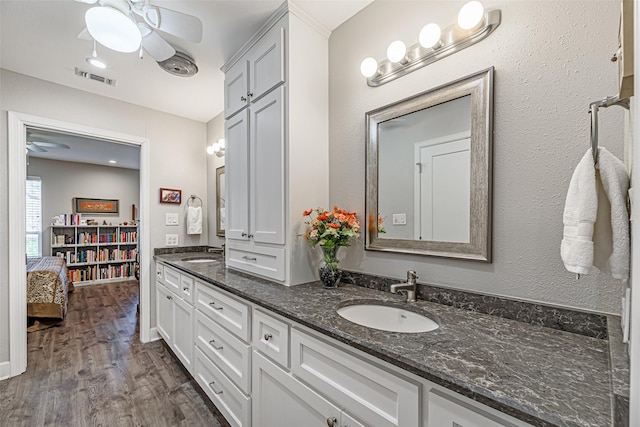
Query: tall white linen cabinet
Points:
[277, 146]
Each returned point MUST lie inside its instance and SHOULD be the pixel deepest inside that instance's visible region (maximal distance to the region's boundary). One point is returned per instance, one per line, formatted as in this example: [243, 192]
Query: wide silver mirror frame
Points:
[220, 202]
[480, 87]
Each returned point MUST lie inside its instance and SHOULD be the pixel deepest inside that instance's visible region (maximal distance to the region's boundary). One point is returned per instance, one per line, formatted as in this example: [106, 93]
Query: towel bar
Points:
[593, 110]
[192, 199]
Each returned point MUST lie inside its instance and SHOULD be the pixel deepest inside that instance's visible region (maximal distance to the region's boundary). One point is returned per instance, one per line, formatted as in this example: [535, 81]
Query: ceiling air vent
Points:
[95, 77]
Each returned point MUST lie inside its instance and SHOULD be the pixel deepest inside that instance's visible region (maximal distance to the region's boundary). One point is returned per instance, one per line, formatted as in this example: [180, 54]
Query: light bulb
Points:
[113, 29]
[369, 67]
[430, 36]
[221, 143]
[396, 51]
[470, 15]
[210, 149]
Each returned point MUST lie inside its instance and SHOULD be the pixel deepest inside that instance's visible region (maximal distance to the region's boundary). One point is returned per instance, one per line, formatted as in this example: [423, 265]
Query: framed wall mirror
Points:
[221, 210]
[429, 172]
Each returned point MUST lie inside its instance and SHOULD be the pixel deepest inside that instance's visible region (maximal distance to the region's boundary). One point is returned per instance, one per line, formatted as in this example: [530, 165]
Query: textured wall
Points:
[551, 60]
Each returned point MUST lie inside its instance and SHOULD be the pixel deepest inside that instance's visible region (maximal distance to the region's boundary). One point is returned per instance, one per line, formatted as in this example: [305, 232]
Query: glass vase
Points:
[330, 274]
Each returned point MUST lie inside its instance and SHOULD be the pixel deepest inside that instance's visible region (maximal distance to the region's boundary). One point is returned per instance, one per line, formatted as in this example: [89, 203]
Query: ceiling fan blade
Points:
[50, 144]
[84, 34]
[33, 147]
[157, 47]
[178, 24]
[87, 1]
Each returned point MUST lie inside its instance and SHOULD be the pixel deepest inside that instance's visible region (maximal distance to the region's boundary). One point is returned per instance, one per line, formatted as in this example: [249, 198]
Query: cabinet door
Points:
[237, 176]
[267, 149]
[281, 400]
[347, 421]
[236, 88]
[183, 326]
[164, 305]
[266, 63]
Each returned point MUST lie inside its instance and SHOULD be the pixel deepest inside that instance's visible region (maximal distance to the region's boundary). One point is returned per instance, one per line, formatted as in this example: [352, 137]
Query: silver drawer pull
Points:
[213, 305]
[214, 390]
[267, 337]
[249, 258]
[215, 346]
[331, 421]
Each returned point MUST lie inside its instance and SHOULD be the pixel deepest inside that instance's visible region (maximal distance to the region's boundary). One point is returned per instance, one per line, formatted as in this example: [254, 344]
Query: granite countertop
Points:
[543, 376]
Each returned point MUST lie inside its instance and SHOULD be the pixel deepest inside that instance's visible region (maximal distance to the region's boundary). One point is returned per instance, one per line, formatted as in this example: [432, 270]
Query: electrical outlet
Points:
[171, 219]
[400, 219]
[171, 240]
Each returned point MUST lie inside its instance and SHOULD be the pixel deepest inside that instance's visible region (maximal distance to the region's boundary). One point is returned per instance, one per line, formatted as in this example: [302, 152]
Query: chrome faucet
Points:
[409, 286]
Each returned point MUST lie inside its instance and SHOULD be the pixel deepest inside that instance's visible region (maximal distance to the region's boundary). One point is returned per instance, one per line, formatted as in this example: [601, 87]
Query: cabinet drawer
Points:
[187, 287]
[226, 311]
[232, 403]
[230, 354]
[159, 272]
[447, 411]
[271, 337]
[370, 393]
[172, 279]
[267, 262]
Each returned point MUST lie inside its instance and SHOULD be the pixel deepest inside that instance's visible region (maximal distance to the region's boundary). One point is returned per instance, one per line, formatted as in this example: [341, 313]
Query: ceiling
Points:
[39, 39]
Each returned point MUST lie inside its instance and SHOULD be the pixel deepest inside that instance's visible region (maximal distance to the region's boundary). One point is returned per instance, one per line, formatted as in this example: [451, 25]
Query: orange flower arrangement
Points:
[331, 229]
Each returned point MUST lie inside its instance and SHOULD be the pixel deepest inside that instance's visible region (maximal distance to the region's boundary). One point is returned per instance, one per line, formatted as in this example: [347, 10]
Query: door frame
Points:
[17, 175]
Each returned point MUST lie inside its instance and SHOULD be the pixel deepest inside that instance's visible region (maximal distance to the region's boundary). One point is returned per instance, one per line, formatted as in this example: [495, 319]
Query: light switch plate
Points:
[171, 219]
[171, 240]
[400, 219]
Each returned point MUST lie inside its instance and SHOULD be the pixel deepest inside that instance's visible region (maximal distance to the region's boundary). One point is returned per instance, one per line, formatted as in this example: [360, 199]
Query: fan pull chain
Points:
[141, 54]
[95, 52]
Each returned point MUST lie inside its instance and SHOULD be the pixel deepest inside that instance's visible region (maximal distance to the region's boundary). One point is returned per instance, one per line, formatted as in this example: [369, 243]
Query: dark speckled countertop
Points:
[543, 376]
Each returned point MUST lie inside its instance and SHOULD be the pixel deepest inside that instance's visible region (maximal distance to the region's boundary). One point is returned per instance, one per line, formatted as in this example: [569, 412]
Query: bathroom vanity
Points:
[267, 354]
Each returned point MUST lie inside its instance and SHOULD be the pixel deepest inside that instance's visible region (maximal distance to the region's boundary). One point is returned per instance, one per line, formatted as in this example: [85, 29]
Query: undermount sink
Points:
[387, 318]
[199, 260]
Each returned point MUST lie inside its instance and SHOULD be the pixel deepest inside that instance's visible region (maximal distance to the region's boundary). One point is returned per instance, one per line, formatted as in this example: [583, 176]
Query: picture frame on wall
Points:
[168, 195]
[96, 206]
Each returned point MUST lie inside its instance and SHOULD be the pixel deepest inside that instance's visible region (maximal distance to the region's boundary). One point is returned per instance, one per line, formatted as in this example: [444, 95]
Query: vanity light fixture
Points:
[217, 148]
[474, 24]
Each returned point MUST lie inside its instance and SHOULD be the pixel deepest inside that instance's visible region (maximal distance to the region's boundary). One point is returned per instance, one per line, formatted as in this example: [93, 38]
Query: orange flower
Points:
[322, 217]
[307, 213]
[334, 225]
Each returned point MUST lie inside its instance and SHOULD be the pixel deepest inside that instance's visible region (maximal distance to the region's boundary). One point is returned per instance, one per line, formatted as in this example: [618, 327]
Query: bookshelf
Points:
[96, 253]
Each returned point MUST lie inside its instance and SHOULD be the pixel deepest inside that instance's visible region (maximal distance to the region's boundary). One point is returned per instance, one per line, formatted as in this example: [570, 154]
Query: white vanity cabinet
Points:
[276, 143]
[175, 314]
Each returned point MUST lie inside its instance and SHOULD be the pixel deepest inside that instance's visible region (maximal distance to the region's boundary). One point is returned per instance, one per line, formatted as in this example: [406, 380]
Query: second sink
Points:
[387, 318]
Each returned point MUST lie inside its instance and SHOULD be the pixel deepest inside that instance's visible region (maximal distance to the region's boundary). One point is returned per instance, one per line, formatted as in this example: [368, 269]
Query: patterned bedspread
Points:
[47, 287]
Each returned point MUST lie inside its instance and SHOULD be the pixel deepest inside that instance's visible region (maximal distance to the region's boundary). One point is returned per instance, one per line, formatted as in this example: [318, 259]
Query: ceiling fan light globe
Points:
[112, 29]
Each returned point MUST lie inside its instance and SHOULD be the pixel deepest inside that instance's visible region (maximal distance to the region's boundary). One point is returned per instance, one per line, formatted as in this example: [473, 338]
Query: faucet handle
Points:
[412, 275]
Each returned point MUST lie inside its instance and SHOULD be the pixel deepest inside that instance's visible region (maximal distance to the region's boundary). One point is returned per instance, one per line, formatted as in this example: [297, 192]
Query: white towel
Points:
[596, 222]
[194, 220]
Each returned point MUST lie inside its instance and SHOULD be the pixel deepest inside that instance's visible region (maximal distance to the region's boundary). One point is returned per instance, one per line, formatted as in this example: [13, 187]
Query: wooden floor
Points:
[93, 371]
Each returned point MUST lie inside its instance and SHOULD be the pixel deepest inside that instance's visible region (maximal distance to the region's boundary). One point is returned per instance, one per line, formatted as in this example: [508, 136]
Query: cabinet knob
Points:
[168, 296]
[331, 422]
[243, 234]
[186, 288]
[267, 337]
[250, 94]
[243, 99]
[250, 236]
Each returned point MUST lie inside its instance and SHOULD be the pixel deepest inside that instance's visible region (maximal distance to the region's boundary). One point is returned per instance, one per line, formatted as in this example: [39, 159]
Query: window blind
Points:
[34, 217]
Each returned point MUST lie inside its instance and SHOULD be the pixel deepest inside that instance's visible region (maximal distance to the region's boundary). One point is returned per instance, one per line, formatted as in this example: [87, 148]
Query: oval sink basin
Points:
[387, 318]
[199, 260]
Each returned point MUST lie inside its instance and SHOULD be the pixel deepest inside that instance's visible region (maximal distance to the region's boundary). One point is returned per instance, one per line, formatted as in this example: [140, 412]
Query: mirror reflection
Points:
[221, 210]
[429, 171]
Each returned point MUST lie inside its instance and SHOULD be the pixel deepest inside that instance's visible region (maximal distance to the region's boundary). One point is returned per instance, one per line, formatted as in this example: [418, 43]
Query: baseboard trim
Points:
[5, 370]
[154, 335]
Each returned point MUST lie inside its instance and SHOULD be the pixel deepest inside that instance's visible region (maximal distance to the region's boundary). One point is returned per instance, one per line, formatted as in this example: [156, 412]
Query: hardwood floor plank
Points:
[92, 370]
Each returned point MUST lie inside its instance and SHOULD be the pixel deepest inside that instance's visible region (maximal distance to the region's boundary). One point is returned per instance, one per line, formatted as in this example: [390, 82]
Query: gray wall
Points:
[177, 157]
[551, 60]
[62, 181]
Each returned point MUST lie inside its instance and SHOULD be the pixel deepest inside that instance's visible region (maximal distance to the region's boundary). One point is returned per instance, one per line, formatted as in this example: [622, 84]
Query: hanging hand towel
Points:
[579, 217]
[611, 231]
[596, 221]
[194, 220]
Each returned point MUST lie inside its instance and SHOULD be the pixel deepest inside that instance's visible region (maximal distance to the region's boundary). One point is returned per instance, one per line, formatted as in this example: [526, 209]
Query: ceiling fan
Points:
[131, 25]
[36, 146]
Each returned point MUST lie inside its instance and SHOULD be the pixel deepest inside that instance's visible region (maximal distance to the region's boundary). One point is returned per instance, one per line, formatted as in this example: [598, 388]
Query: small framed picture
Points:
[167, 195]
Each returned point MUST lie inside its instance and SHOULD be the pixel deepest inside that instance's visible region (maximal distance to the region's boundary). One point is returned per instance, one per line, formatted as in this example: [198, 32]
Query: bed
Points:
[47, 289]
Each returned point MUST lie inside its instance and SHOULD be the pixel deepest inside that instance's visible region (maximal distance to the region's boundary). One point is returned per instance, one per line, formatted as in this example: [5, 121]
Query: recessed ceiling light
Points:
[112, 161]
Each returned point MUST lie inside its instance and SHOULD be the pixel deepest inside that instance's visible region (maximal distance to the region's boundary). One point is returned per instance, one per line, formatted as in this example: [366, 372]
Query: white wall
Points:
[62, 181]
[177, 155]
[551, 60]
[215, 131]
